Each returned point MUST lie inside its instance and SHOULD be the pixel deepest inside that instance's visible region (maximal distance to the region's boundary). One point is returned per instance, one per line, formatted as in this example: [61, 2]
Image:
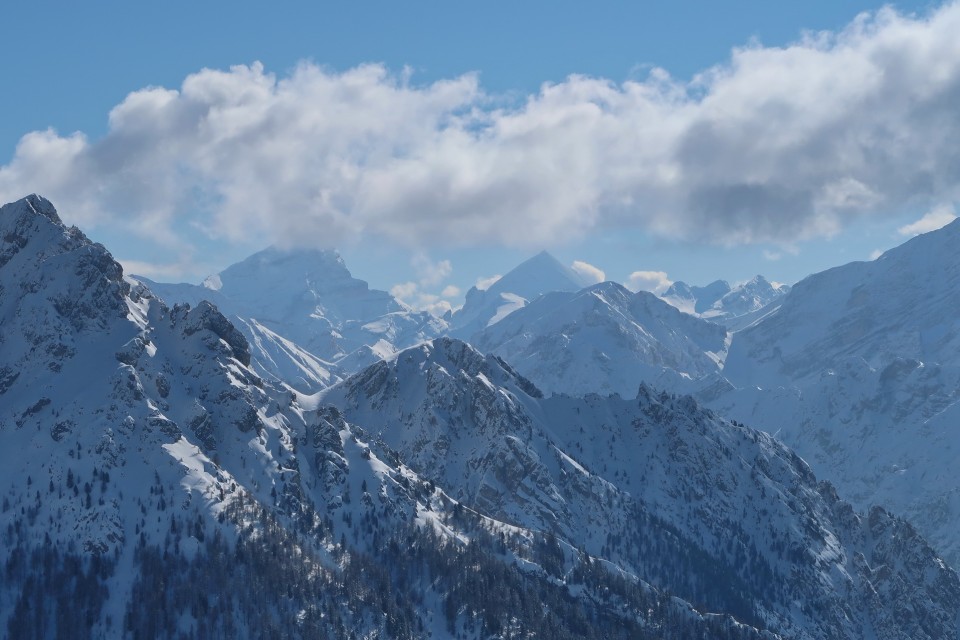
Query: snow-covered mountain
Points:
[733, 307]
[156, 486]
[859, 370]
[710, 510]
[113, 409]
[484, 307]
[855, 367]
[308, 320]
[901, 305]
[604, 339]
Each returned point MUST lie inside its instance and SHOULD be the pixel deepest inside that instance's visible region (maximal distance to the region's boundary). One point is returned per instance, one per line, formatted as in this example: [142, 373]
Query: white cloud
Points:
[933, 220]
[774, 145]
[772, 256]
[588, 271]
[430, 272]
[404, 290]
[432, 303]
[876, 253]
[654, 281]
[412, 294]
[439, 307]
[485, 283]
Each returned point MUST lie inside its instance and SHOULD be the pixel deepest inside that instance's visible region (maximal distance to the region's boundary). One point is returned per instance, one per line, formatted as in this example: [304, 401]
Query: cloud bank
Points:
[774, 145]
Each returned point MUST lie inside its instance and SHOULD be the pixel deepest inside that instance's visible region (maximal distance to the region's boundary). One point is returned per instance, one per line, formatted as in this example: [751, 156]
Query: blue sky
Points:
[68, 65]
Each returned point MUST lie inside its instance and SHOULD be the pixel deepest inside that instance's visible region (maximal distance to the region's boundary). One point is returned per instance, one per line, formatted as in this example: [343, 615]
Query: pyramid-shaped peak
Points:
[544, 259]
[537, 275]
[545, 255]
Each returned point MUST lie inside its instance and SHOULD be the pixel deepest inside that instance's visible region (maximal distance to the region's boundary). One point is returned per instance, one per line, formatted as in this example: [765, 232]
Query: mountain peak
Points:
[274, 262]
[37, 205]
[542, 272]
[526, 282]
[696, 300]
[445, 362]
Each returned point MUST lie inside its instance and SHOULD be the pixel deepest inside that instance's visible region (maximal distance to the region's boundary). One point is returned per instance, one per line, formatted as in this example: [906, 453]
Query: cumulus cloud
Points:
[430, 272]
[935, 219]
[653, 281]
[589, 272]
[412, 295]
[774, 145]
[433, 304]
[876, 253]
[404, 290]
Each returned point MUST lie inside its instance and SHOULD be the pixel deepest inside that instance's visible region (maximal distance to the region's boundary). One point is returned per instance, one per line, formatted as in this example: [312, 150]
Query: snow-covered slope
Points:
[539, 275]
[150, 476]
[733, 307]
[113, 408]
[882, 435]
[902, 304]
[604, 339]
[715, 512]
[309, 321]
[859, 371]
[154, 486]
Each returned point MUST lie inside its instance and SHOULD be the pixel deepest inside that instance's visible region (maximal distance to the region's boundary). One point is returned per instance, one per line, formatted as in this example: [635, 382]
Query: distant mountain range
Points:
[734, 307]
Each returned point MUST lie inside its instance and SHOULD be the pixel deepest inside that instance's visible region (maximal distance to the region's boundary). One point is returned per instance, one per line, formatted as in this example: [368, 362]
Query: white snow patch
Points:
[513, 302]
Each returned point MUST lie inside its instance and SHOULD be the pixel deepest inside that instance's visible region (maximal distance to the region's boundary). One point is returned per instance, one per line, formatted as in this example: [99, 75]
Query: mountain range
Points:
[734, 307]
[853, 367]
[291, 454]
